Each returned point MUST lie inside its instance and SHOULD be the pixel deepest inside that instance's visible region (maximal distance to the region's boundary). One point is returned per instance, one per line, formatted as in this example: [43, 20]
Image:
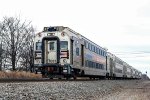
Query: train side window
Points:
[94, 65]
[105, 54]
[38, 46]
[64, 45]
[100, 66]
[87, 45]
[102, 53]
[90, 64]
[99, 51]
[77, 51]
[86, 63]
[97, 65]
[92, 48]
[95, 49]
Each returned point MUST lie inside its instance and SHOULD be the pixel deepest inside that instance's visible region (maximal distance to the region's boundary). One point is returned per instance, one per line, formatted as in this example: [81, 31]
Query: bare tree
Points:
[1, 52]
[1, 56]
[14, 34]
[27, 53]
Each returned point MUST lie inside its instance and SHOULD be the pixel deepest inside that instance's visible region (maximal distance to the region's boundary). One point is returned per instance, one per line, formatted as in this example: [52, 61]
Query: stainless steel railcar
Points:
[117, 68]
[62, 52]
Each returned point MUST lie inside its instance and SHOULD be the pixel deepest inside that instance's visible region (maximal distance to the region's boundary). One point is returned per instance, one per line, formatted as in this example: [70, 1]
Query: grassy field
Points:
[19, 75]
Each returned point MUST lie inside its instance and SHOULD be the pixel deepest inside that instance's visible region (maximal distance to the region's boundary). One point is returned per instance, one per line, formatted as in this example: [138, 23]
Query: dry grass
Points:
[19, 75]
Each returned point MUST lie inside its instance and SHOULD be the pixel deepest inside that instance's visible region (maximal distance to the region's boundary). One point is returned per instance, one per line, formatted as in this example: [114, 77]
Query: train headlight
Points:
[63, 34]
[65, 60]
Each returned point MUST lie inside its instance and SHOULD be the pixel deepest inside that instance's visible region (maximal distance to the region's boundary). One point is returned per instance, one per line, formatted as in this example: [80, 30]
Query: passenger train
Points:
[61, 52]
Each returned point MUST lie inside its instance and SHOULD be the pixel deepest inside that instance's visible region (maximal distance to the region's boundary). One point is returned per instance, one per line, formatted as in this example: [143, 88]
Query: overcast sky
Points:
[122, 26]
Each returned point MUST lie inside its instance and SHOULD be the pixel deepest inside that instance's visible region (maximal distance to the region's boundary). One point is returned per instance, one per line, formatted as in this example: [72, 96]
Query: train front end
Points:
[51, 53]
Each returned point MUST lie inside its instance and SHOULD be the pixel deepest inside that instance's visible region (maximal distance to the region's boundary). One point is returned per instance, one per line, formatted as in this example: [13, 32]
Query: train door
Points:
[111, 67]
[82, 55]
[71, 53]
[124, 71]
[51, 51]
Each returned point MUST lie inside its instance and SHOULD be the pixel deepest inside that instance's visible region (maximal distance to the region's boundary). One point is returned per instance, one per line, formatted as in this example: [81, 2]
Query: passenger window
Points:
[63, 45]
[93, 48]
[102, 53]
[77, 51]
[51, 46]
[87, 45]
[86, 63]
[99, 52]
[38, 46]
[96, 65]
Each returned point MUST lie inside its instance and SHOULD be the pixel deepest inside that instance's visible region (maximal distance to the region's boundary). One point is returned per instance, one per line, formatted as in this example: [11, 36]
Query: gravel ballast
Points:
[65, 90]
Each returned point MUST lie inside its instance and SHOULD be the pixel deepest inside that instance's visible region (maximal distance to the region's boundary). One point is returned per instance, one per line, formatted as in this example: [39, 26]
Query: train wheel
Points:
[74, 77]
[67, 78]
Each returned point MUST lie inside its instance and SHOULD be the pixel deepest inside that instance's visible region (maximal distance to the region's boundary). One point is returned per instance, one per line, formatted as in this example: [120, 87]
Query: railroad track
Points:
[43, 80]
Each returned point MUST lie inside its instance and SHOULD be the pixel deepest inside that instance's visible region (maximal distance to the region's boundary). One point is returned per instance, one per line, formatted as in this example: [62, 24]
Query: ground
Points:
[138, 91]
[76, 90]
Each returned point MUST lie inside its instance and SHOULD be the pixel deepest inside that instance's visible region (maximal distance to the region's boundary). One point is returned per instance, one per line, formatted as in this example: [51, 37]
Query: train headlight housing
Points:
[65, 60]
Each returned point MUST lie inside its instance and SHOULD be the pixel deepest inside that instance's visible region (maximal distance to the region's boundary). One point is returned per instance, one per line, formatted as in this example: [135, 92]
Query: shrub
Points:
[19, 75]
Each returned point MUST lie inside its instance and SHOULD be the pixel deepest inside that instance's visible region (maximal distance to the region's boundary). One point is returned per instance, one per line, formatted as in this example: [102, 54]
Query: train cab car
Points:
[61, 52]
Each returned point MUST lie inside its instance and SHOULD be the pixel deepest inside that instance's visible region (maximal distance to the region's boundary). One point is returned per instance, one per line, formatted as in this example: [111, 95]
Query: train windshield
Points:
[38, 46]
[63, 45]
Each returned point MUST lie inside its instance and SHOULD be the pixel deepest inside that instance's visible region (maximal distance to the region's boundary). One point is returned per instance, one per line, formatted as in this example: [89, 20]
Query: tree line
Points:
[16, 44]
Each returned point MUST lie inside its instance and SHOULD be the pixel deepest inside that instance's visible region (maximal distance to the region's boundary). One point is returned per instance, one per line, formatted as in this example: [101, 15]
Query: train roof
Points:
[61, 28]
